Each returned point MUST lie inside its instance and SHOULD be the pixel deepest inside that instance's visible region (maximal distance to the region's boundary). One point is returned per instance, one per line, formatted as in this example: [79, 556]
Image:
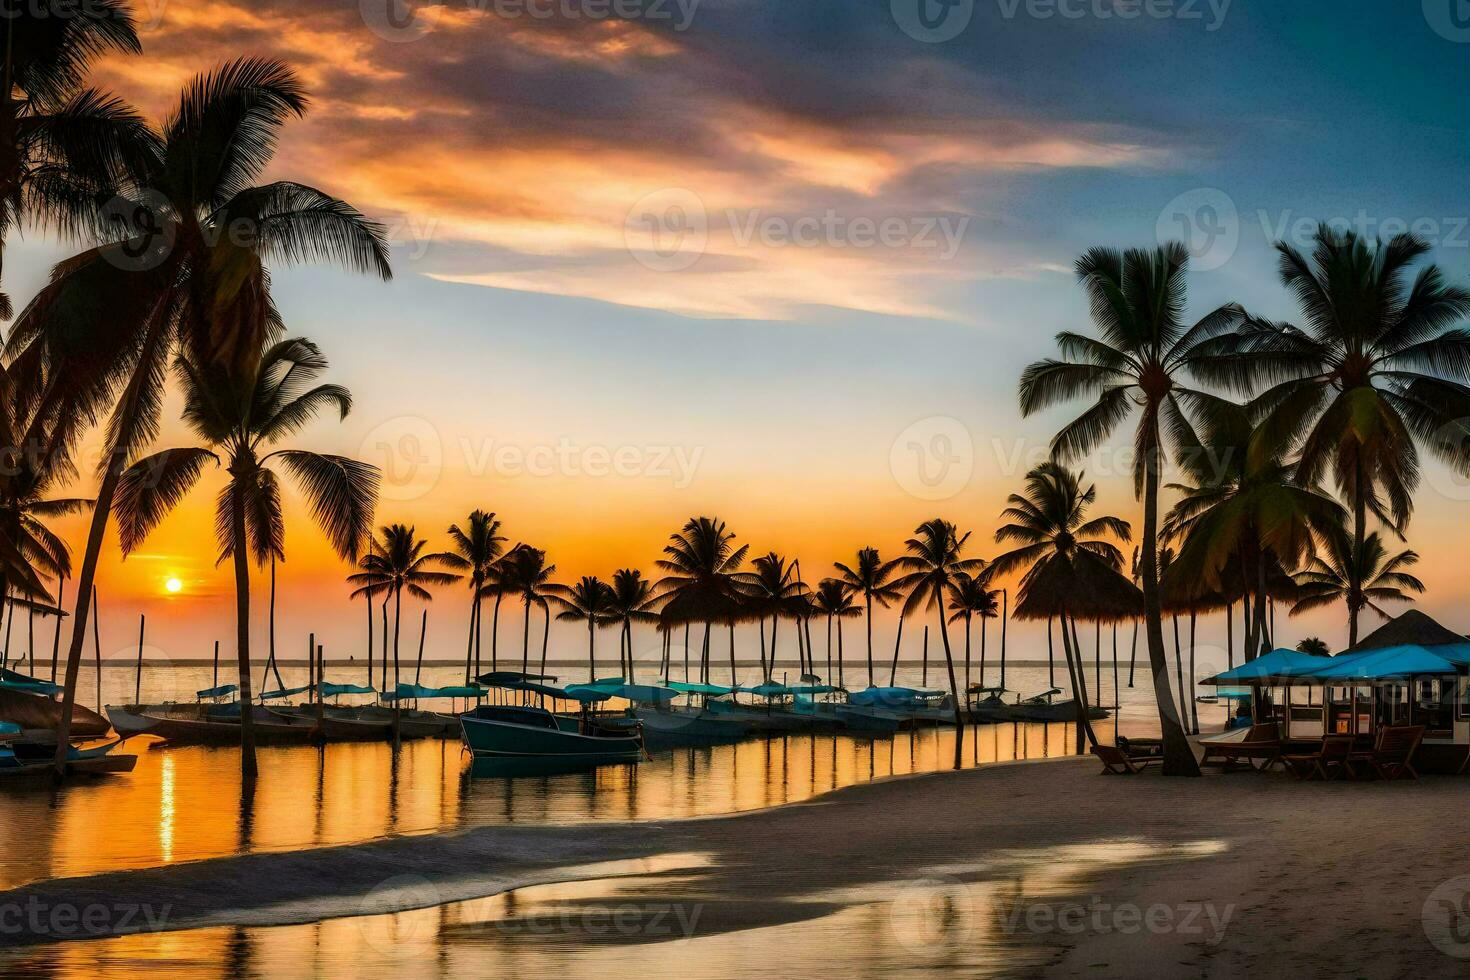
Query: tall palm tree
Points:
[477, 548]
[192, 276]
[932, 563]
[396, 563]
[65, 149]
[702, 563]
[1137, 299]
[1377, 369]
[591, 601]
[770, 589]
[1063, 552]
[240, 415]
[834, 599]
[1361, 577]
[633, 600]
[524, 573]
[969, 597]
[871, 577]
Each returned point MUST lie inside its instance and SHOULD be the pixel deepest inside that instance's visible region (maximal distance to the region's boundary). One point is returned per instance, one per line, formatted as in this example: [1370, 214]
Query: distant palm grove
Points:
[1298, 444]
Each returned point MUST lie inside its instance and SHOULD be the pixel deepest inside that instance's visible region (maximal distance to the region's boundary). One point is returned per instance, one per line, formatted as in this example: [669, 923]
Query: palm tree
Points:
[702, 564]
[871, 577]
[591, 601]
[969, 597]
[240, 415]
[1314, 645]
[66, 148]
[834, 599]
[192, 277]
[1137, 299]
[1377, 369]
[476, 549]
[1362, 577]
[396, 563]
[932, 564]
[632, 602]
[1245, 515]
[1066, 556]
[524, 573]
[770, 589]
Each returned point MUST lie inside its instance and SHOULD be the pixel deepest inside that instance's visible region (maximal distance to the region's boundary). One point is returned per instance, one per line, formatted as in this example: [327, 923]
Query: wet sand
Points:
[1071, 872]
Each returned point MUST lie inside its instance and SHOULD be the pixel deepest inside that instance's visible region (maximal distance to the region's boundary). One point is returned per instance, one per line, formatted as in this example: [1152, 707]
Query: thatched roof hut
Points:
[1410, 628]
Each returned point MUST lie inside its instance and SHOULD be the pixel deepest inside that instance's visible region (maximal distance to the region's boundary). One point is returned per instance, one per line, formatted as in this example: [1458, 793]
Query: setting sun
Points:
[173, 586]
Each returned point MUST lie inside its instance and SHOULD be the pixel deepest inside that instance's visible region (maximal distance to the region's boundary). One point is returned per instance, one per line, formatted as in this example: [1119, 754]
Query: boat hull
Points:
[523, 741]
[871, 719]
[688, 727]
[208, 724]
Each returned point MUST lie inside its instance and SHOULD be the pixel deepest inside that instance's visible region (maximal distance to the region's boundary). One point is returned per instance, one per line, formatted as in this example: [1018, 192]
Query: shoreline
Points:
[1245, 852]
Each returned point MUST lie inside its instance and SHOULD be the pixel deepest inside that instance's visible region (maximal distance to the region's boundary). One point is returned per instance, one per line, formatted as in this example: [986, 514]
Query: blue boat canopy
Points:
[285, 692]
[770, 689]
[9, 728]
[1385, 664]
[889, 696]
[643, 693]
[500, 678]
[460, 691]
[334, 690]
[223, 691]
[710, 690]
[815, 689]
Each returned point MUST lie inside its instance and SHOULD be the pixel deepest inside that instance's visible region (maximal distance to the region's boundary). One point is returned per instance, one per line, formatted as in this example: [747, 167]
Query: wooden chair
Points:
[1329, 762]
[1261, 742]
[1116, 762]
[1392, 755]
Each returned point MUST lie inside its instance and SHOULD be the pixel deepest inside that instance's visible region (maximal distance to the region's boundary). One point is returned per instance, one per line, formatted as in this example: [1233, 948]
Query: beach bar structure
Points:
[1411, 671]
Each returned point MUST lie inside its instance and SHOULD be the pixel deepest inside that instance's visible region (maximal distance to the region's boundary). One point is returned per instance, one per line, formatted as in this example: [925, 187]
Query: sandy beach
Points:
[1067, 871]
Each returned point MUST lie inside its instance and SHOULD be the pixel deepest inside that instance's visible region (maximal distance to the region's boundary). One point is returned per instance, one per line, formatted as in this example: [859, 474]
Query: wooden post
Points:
[423, 628]
[1005, 613]
[56, 637]
[138, 673]
[320, 670]
[311, 658]
[216, 666]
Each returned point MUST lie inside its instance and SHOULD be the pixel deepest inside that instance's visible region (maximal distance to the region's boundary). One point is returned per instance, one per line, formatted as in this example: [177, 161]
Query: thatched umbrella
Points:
[1085, 586]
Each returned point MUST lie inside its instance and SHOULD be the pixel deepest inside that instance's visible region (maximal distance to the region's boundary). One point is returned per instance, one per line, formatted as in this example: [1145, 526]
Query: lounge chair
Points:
[1260, 743]
[1116, 762]
[1329, 762]
[1392, 754]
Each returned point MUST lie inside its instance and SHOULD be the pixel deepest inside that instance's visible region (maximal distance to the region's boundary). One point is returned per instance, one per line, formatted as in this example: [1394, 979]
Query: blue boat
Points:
[525, 740]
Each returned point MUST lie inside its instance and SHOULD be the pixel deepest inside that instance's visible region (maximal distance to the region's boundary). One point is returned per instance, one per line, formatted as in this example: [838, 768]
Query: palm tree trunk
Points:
[1117, 698]
[1229, 635]
[734, 680]
[423, 631]
[968, 631]
[775, 625]
[397, 624]
[126, 418]
[954, 687]
[1193, 704]
[1179, 757]
[982, 651]
[591, 650]
[760, 627]
[1133, 657]
[925, 675]
[495, 633]
[897, 642]
[526, 639]
[242, 634]
[545, 632]
[829, 646]
[869, 596]
[841, 682]
[1077, 674]
[469, 646]
[1355, 571]
[367, 601]
[1179, 671]
[806, 626]
[384, 609]
[56, 636]
[271, 630]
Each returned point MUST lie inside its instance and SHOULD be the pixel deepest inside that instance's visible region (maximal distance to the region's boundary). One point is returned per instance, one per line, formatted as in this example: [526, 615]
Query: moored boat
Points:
[509, 740]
